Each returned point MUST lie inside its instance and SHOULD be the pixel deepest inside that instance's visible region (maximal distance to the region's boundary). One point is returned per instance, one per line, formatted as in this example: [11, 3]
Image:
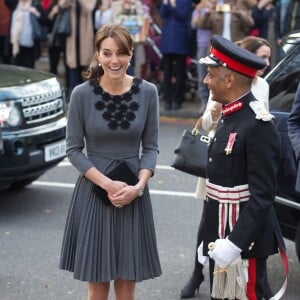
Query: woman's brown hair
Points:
[122, 38]
[252, 43]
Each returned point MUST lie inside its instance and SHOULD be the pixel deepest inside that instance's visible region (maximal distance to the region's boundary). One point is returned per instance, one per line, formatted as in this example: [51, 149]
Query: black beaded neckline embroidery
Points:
[117, 110]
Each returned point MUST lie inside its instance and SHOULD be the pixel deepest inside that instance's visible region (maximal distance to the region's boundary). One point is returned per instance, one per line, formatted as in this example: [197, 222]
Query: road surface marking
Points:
[153, 192]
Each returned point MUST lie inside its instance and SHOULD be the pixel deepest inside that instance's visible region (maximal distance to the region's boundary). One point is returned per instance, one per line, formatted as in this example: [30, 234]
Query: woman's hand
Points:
[267, 4]
[34, 11]
[124, 196]
[114, 186]
[54, 11]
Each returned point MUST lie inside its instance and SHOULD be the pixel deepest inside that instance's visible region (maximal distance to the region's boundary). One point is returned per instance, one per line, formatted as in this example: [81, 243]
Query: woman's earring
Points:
[128, 64]
[99, 65]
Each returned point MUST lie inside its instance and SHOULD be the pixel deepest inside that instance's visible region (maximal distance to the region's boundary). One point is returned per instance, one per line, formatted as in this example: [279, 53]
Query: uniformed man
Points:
[242, 168]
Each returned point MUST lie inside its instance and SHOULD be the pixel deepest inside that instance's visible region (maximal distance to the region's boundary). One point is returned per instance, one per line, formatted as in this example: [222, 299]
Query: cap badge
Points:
[260, 111]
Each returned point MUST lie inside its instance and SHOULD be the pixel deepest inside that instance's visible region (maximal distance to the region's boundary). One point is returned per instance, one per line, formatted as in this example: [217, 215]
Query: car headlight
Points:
[10, 114]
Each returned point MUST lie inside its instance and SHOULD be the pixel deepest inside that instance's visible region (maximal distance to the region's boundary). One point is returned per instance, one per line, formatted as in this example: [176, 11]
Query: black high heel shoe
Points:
[192, 286]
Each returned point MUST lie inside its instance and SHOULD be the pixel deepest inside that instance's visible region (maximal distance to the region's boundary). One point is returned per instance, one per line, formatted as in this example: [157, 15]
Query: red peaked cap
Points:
[225, 53]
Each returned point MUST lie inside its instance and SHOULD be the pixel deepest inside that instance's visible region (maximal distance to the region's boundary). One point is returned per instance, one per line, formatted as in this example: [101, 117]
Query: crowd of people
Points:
[74, 48]
[110, 233]
[179, 30]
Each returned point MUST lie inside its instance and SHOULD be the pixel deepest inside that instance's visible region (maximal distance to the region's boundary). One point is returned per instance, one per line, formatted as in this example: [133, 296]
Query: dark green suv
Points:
[32, 124]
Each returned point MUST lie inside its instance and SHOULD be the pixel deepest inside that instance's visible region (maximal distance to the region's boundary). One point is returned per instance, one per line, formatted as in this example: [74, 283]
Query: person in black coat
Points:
[294, 132]
[243, 161]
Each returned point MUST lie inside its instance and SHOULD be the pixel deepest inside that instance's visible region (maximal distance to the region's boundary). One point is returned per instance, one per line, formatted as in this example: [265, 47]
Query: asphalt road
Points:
[32, 222]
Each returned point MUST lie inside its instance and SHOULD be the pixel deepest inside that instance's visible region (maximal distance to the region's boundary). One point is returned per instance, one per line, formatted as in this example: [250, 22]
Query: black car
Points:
[32, 125]
[283, 80]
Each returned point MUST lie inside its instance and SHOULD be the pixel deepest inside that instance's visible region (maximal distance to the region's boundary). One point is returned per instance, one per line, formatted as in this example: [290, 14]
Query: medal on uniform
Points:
[230, 143]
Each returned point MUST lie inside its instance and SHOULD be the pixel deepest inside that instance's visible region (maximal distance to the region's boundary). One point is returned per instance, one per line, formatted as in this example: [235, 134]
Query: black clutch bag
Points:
[121, 172]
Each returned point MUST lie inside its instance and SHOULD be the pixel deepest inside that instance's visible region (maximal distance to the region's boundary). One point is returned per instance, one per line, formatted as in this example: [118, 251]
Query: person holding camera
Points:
[230, 19]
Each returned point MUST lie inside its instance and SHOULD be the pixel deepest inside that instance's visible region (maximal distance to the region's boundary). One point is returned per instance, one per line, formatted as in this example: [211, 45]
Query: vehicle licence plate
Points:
[55, 150]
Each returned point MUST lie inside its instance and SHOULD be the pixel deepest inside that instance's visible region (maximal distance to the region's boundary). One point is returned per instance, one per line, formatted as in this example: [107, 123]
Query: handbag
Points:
[190, 155]
[61, 28]
[63, 20]
[121, 172]
[39, 31]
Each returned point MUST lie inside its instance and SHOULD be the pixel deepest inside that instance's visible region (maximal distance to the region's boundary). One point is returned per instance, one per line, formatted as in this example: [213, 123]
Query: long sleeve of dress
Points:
[76, 133]
[150, 134]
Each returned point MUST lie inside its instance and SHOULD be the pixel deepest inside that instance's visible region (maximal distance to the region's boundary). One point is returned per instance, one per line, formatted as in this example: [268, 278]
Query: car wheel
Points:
[297, 241]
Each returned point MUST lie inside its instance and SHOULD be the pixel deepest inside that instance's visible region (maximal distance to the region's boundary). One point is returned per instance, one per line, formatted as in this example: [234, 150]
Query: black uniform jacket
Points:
[254, 160]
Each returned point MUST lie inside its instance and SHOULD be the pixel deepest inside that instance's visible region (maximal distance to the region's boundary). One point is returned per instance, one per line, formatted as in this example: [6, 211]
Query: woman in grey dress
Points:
[115, 118]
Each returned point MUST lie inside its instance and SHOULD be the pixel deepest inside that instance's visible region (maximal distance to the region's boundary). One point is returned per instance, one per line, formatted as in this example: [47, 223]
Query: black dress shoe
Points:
[192, 286]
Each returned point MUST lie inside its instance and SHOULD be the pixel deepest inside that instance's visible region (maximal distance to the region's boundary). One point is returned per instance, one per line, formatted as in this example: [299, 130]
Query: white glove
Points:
[224, 252]
[201, 258]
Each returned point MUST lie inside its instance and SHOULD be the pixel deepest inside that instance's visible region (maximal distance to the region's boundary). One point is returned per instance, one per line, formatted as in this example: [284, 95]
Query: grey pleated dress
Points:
[102, 243]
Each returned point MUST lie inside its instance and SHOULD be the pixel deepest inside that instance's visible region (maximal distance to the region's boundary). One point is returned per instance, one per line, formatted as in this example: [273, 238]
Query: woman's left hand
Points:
[124, 196]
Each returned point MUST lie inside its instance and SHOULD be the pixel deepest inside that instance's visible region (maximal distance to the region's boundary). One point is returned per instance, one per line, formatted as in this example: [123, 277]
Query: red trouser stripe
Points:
[251, 284]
